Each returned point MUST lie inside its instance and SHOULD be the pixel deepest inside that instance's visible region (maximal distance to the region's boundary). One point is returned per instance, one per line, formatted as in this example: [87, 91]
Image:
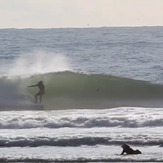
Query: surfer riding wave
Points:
[41, 92]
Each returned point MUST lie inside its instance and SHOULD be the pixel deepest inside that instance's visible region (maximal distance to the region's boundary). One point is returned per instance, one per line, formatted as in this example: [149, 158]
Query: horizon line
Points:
[123, 26]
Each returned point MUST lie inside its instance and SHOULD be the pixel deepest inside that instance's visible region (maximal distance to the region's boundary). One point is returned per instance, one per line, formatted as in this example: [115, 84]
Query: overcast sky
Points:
[80, 13]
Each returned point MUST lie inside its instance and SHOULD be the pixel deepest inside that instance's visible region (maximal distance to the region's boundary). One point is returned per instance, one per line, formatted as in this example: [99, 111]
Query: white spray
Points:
[39, 63]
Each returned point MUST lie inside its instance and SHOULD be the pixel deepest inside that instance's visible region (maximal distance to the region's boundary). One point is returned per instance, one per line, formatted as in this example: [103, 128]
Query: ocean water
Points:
[104, 87]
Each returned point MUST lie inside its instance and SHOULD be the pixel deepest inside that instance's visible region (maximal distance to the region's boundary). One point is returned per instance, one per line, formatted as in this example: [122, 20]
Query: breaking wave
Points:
[66, 90]
[135, 118]
[90, 141]
[82, 127]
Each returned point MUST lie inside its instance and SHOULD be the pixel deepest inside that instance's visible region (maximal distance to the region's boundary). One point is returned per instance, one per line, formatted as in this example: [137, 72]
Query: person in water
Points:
[41, 92]
[128, 150]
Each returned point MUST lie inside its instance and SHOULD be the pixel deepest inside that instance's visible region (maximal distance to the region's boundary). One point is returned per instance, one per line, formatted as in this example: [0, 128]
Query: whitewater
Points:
[103, 88]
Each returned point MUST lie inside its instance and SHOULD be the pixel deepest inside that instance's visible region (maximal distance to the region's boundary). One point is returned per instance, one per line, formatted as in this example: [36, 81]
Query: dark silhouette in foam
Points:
[128, 150]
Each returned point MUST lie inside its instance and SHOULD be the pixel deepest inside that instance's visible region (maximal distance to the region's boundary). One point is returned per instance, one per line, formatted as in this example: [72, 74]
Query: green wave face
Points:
[69, 90]
[66, 90]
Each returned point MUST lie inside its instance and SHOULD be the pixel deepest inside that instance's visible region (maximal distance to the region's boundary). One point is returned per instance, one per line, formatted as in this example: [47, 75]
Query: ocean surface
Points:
[103, 88]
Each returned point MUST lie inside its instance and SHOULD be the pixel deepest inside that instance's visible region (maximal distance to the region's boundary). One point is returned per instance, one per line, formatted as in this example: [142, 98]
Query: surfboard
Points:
[33, 104]
[38, 106]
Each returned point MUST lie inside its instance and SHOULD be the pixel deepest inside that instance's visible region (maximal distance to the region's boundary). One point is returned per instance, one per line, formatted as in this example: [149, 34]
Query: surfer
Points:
[128, 150]
[41, 92]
